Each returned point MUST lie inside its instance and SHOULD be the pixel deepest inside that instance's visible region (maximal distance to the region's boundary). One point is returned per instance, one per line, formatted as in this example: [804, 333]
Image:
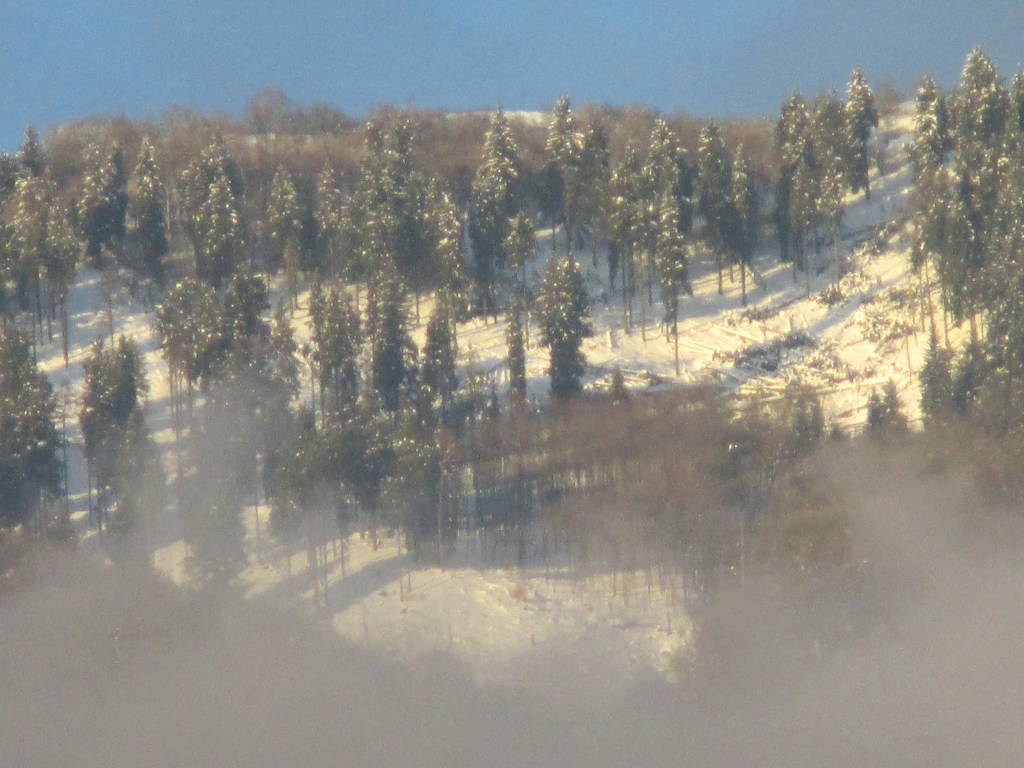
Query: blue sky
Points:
[64, 59]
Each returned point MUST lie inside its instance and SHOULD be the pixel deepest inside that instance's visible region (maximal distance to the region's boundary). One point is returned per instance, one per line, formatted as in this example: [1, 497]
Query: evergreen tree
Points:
[329, 215]
[936, 383]
[830, 203]
[662, 168]
[625, 214]
[563, 151]
[190, 335]
[30, 236]
[981, 104]
[803, 212]
[931, 130]
[595, 175]
[618, 392]
[30, 469]
[390, 342]
[968, 377]
[741, 219]
[884, 414]
[829, 127]
[563, 309]
[219, 230]
[103, 202]
[714, 174]
[336, 342]
[284, 220]
[495, 198]
[439, 357]
[803, 419]
[121, 456]
[672, 258]
[520, 249]
[414, 487]
[194, 186]
[146, 212]
[792, 132]
[861, 117]
[1017, 103]
[516, 359]
[31, 156]
[445, 235]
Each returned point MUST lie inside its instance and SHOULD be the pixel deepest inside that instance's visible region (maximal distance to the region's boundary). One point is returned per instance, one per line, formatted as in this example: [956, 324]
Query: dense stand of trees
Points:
[411, 212]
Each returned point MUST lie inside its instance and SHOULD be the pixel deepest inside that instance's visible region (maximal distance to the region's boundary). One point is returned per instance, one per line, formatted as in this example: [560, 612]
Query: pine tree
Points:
[336, 340]
[830, 203]
[931, 130]
[968, 377]
[884, 415]
[563, 151]
[329, 216]
[390, 341]
[803, 212]
[284, 220]
[861, 117]
[595, 175]
[103, 203]
[146, 212]
[60, 265]
[741, 220]
[804, 420]
[981, 104]
[625, 215]
[31, 156]
[792, 132]
[190, 336]
[520, 250]
[438, 370]
[1017, 103]
[117, 446]
[936, 383]
[714, 174]
[672, 258]
[829, 127]
[445, 235]
[494, 199]
[30, 236]
[618, 392]
[30, 468]
[194, 186]
[563, 308]
[516, 360]
[219, 230]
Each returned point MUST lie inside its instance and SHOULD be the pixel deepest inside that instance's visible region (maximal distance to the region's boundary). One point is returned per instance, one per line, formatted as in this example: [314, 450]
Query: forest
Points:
[226, 228]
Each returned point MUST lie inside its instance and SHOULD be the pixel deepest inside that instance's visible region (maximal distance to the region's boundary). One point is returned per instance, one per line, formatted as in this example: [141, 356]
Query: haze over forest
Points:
[591, 435]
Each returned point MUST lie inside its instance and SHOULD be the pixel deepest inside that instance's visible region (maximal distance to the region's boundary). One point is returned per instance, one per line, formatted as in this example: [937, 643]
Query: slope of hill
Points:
[842, 343]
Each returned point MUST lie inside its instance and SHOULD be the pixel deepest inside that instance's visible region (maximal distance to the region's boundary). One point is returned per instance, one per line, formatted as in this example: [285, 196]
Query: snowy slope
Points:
[496, 618]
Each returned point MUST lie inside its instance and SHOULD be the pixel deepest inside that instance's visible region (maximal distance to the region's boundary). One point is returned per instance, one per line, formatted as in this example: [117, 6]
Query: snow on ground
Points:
[496, 618]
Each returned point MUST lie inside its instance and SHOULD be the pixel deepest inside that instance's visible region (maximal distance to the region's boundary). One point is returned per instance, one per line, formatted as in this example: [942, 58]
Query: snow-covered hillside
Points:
[842, 346]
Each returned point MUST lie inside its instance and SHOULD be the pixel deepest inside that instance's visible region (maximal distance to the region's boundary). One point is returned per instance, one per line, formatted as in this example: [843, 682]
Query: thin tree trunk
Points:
[928, 292]
[627, 310]
[64, 327]
[835, 251]
[643, 317]
[675, 334]
[743, 282]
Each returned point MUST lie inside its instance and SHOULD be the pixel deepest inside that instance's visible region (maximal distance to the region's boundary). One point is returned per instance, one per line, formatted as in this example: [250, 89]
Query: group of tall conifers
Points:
[823, 150]
[385, 417]
[968, 165]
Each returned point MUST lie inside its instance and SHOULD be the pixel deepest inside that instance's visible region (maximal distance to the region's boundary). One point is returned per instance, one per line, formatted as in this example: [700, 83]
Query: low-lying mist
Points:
[917, 664]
